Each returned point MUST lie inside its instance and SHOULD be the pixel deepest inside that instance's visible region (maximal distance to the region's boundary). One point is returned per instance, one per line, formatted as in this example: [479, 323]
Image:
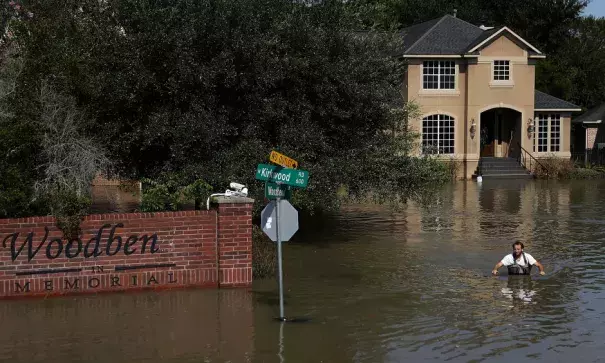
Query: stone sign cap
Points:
[233, 200]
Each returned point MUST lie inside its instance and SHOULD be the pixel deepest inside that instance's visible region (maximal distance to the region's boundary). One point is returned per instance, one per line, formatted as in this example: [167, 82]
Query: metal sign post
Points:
[279, 262]
[279, 219]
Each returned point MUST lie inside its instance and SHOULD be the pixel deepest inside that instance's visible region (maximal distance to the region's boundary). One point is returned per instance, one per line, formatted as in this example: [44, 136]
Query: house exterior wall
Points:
[516, 94]
[450, 102]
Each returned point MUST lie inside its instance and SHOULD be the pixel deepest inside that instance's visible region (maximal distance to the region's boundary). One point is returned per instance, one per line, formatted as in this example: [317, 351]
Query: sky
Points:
[596, 8]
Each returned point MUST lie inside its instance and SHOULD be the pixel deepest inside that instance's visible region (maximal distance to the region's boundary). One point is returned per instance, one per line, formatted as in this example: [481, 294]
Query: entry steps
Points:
[501, 168]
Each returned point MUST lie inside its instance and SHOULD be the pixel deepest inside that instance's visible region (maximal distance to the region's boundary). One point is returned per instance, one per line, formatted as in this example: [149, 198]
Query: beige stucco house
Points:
[476, 89]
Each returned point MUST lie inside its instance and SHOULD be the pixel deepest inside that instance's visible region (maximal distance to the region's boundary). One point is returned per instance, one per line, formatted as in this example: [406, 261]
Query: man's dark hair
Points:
[518, 243]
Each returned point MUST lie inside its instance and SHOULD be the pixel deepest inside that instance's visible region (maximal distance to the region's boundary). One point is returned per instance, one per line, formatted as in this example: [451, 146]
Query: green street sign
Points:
[274, 191]
[280, 175]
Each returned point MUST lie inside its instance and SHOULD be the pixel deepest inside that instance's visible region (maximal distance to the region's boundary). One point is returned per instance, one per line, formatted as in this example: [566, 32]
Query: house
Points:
[475, 86]
[588, 136]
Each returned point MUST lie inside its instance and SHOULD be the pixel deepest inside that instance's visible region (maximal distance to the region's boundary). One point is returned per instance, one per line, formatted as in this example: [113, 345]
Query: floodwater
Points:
[377, 285]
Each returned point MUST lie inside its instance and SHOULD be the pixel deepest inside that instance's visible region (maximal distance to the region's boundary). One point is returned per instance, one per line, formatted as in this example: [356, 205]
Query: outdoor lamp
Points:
[530, 127]
[473, 128]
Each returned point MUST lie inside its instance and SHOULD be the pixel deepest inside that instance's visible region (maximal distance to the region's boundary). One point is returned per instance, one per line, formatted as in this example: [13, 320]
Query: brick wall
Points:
[117, 252]
[591, 136]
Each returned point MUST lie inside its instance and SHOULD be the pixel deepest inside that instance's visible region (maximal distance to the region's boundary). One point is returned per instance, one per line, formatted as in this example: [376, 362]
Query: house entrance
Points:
[500, 132]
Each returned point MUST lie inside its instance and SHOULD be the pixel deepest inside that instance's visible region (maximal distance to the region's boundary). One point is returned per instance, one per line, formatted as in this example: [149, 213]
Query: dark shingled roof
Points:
[594, 114]
[484, 35]
[543, 101]
[446, 35]
[415, 32]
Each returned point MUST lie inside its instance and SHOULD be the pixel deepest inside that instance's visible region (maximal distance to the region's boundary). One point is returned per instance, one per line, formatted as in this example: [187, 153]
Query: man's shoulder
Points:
[530, 258]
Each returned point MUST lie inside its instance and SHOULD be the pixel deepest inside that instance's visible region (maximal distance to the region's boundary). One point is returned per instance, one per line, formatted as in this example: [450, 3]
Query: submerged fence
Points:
[589, 156]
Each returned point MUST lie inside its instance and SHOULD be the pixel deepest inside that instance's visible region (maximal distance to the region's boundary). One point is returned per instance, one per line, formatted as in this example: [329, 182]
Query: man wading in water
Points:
[518, 262]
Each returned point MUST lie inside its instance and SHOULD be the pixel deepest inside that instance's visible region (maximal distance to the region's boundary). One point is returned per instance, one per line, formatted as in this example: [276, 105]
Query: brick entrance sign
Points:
[117, 252]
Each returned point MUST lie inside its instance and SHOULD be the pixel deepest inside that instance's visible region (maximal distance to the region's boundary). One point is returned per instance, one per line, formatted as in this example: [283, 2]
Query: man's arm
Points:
[541, 268]
[498, 265]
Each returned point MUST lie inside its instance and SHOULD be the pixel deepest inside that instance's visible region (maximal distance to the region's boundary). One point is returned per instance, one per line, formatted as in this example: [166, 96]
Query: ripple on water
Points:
[380, 286]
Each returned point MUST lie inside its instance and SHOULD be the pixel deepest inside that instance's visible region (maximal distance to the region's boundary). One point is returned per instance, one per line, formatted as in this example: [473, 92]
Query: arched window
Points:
[438, 134]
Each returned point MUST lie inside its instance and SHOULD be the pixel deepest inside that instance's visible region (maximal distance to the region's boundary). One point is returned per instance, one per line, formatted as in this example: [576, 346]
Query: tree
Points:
[575, 71]
[209, 88]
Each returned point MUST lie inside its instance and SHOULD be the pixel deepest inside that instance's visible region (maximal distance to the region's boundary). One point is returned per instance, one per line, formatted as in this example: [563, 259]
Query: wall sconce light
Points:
[473, 129]
[530, 127]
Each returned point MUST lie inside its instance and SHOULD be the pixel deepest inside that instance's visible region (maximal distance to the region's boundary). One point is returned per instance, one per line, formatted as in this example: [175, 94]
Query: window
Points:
[438, 134]
[501, 70]
[547, 136]
[555, 133]
[439, 75]
[542, 133]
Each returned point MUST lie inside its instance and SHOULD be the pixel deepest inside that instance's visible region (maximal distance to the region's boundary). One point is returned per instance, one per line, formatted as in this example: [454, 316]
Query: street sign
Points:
[283, 160]
[281, 175]
[287, 219]
[274, 191]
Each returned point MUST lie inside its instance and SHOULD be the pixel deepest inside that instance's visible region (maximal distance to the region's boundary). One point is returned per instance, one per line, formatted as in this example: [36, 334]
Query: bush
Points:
[557, 168]
[584, 173]
[264, 254]
[172, 192]
[452, 168]
[553, 168]
[69, 210]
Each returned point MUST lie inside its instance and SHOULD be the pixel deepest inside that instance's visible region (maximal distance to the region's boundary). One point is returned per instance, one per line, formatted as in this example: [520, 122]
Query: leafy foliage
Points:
[191, 95]
[210, 88]
[264, 260]
[173, 191]
[18, 149]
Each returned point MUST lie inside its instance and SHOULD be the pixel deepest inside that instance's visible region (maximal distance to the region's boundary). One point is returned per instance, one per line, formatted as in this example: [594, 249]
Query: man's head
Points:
[518, 247]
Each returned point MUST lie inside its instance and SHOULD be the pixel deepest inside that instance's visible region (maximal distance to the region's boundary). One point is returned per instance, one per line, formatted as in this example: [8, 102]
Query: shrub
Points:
[172, 192]
[264, 254]
[452, 167]
[557, 168]
[553, 168]
[584, 173]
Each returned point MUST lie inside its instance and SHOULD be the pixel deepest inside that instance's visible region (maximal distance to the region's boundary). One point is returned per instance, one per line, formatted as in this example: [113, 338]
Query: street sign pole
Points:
[279, 179]
[279, 262]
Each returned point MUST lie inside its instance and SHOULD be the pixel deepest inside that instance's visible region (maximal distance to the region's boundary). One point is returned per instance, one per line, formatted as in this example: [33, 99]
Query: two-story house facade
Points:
[476, 90]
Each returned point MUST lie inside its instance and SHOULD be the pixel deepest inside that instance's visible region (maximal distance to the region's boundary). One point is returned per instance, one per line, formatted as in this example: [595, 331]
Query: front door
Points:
[497, 133]
[489, 133]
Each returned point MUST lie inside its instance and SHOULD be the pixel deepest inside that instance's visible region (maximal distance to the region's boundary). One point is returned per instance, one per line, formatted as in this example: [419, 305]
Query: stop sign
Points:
[288, 220]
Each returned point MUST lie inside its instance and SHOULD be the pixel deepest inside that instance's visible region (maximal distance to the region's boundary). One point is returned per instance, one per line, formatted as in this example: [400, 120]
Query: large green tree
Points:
[575, 71]
[208, 88]
[545, 23]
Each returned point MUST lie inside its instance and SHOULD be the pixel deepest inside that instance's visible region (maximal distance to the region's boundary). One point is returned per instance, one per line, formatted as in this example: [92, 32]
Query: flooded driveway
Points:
[379, 286]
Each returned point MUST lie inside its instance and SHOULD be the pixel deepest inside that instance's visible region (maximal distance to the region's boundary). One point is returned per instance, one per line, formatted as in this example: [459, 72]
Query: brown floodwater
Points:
[377, 285]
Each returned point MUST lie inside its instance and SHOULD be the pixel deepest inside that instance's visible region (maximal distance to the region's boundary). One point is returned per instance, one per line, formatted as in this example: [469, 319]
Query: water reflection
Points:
[519, 289]
[166, 326]
[379, 286]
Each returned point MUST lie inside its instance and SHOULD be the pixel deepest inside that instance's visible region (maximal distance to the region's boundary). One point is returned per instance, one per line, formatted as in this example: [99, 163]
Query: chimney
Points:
[455, 12]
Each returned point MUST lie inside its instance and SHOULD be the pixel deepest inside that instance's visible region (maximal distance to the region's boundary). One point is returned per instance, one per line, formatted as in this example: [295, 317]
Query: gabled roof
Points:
[452, 36]
[545, 102]
[593, 116]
